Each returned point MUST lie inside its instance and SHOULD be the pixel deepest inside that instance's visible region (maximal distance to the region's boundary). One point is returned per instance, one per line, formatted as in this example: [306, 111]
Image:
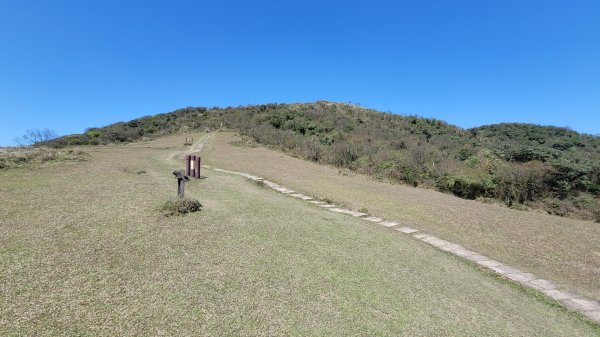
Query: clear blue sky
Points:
[68, 65]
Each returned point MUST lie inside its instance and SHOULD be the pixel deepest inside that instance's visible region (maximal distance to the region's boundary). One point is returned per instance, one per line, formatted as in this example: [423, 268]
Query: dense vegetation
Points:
[522, 165]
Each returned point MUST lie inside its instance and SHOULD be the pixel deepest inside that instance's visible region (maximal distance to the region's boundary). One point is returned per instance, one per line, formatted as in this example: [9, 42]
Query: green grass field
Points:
[85, 250]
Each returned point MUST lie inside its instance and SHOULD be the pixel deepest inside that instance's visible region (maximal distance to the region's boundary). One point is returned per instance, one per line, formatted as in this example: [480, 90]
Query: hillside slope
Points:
[564, 250]
[85, 250]
[521, 165]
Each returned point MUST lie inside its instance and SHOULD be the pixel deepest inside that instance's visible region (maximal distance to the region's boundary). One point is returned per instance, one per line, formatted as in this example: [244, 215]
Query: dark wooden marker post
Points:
[188, 158]
[193, 166]
[181, 179]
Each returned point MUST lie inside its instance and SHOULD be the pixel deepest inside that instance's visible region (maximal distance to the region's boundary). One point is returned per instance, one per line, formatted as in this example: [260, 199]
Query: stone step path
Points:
[566, 298]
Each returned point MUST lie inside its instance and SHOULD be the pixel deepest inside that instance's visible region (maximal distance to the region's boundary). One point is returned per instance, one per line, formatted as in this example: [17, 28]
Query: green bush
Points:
[523, 182]
[464, 187]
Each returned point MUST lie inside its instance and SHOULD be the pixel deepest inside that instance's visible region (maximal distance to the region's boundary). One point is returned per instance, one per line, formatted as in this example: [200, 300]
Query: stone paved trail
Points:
[566, 298]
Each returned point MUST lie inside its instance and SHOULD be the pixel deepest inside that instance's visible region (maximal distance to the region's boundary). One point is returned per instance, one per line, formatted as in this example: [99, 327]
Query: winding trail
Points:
[197, 148]
[564, 297]
[194, 148]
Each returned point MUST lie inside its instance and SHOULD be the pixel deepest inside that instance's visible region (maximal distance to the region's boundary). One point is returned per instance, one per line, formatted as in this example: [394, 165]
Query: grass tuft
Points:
[258, 183]
[179, 206]
[326, 199]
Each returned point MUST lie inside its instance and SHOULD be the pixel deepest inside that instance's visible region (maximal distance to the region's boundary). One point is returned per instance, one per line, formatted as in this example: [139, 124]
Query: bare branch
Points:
[35, 136]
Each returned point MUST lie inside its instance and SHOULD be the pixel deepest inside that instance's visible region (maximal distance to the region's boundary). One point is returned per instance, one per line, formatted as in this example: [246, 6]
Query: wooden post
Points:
[193, 166]
[197, 173]
[187, 164]
[181, 179]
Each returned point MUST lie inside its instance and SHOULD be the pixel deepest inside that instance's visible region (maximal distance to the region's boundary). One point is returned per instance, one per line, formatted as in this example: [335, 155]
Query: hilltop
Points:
[524, 166]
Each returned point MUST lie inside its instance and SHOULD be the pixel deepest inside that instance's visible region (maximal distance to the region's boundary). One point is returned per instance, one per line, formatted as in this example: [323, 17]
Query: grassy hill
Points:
[85, 250]
[523, 166]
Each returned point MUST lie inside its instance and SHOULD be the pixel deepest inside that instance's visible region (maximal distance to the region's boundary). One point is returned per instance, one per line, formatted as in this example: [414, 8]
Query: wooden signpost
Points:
[181, 180]
[192, 169]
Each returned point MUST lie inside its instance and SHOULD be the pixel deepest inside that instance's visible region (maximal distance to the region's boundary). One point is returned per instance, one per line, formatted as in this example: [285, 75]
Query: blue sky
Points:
[68, 65]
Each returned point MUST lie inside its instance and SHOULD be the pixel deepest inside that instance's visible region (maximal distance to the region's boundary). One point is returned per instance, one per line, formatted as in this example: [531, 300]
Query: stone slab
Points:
[587, 304]
[520, 277]
[453, 247]
[557, 294]
[436, 242]
[347, 211]
[504, 269]
[389, 223]
[477, 258]
[374, 219]
[337, 210]
[544, 284]
[464, 253]
[489, 263]
[573, 306]
[406, 230]
[593, 315]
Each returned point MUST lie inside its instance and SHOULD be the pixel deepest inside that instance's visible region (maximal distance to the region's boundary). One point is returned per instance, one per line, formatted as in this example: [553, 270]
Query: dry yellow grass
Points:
[560, 249]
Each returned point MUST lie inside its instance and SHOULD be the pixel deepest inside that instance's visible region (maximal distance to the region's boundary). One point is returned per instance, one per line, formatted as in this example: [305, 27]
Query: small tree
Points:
[35, 136]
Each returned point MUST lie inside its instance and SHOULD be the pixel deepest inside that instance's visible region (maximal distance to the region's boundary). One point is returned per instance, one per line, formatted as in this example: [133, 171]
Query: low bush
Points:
[464, 187]
[179, 206]
[258, 183]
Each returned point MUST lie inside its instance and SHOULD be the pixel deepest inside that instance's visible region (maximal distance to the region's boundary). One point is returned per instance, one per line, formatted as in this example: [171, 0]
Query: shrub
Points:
[464, 187]
[179, 206]
[523, 182]
[343, 154]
